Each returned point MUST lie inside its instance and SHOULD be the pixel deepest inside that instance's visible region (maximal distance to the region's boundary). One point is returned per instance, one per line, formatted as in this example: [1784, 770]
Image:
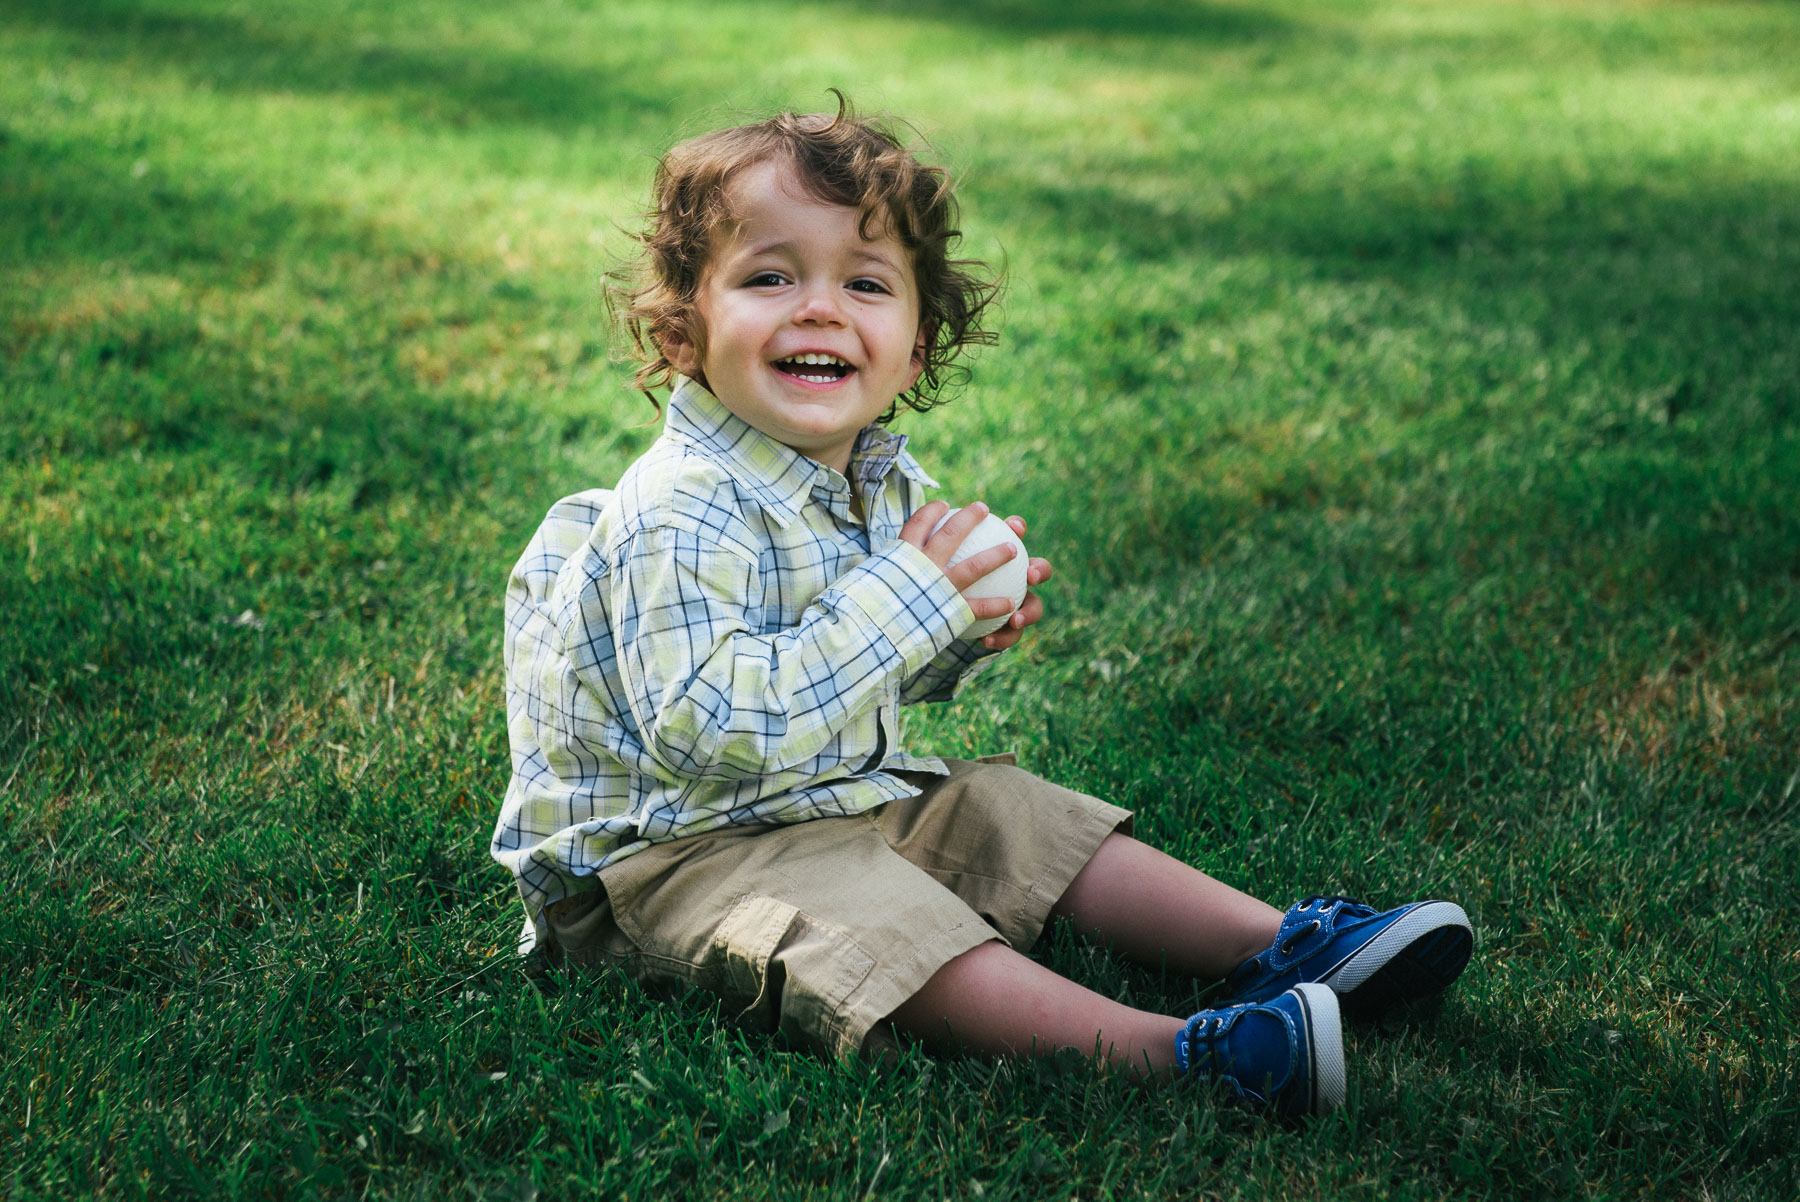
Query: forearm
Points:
[715, 698]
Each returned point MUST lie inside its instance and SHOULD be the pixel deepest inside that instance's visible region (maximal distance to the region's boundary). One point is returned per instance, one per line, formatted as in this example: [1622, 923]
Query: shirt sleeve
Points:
[712, 696]
[944, 676]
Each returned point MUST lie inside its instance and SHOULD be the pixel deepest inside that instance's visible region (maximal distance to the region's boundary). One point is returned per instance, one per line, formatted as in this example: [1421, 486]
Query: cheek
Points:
[724, 330]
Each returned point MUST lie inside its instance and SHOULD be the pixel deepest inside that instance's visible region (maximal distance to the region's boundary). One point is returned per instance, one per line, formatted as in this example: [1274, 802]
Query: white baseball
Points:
[1007, 580]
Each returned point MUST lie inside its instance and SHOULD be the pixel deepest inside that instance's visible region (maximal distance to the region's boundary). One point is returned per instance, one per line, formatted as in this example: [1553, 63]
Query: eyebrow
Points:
[875, 256]
[863, 254]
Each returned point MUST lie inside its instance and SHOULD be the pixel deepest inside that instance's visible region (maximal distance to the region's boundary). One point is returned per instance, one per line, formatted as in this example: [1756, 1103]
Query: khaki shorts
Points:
[822, 929]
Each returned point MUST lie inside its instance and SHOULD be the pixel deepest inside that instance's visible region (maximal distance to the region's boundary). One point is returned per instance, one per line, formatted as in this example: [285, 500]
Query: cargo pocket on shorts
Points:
[788, 972]
[744, 942]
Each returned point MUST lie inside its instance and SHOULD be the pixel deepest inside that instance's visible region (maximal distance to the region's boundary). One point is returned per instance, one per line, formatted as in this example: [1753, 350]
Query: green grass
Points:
[1408, 394]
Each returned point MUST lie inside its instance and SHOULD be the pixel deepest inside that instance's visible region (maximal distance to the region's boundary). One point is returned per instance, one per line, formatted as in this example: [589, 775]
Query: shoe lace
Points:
[1287, 944]
[1200, 1039]
[1326, 908]
[1196, 1040]
[1331, 904]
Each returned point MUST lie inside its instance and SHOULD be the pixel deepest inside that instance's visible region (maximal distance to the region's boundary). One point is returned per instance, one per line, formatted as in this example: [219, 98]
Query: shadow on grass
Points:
[1193, 20]
[476, 84]
[1662, 312]
[174, 462]
[1702, 249]
[326, 359]
[80, 202]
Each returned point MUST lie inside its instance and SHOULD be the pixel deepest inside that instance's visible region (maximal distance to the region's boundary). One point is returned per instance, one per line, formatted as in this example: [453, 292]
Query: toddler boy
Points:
[705, 667]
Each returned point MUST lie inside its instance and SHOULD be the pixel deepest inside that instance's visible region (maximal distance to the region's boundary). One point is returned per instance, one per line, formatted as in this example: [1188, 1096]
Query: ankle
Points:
[1252, 938]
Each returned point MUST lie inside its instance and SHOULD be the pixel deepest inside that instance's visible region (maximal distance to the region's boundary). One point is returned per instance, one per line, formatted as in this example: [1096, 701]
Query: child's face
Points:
[791, 276]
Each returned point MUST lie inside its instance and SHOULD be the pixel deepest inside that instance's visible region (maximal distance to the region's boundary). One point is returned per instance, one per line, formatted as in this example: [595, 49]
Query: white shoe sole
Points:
[1356, 969]
[1324, 1046]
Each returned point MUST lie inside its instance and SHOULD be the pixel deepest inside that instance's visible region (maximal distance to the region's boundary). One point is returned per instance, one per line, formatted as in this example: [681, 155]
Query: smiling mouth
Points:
[814, 368]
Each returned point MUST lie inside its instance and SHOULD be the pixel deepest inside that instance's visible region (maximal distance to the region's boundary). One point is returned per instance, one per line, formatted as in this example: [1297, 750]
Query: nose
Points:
[819, 306]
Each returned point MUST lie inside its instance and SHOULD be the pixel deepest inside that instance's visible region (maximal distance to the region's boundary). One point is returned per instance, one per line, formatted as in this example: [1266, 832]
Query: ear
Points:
[678, 348]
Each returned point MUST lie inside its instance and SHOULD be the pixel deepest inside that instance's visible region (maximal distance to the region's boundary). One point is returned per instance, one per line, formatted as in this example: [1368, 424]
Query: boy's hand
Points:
[1036, 572]
[941, 546]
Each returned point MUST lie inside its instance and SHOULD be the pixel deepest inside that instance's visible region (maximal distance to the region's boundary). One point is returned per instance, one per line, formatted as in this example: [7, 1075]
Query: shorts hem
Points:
[885, 989]
[1041, 896]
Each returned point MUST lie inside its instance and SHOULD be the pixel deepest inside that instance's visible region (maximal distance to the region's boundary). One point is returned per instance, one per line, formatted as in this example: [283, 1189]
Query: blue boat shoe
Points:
[1285, 1055]
[1372, 960]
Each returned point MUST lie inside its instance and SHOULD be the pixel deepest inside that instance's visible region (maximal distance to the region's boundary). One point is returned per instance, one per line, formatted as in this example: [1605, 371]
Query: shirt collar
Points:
[777, 477]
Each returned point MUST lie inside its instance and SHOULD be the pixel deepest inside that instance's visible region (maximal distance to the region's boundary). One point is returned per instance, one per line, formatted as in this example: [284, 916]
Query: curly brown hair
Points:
[841, 159]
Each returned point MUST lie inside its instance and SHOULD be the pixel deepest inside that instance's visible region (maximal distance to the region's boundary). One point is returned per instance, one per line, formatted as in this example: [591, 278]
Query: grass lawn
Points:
[1408, 394]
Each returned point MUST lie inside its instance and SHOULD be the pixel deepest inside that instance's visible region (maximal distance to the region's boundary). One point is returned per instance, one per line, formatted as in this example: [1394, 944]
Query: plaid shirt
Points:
[718, 641]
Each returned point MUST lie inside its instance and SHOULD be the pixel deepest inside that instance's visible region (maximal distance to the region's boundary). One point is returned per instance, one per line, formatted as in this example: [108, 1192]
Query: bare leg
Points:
[1157, 910]
[993, 1001]
[1152, 907]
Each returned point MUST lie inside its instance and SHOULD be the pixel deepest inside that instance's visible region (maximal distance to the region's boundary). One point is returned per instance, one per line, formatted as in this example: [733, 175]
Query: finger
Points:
[918, 526]
[1018, 525]
[1038, 571]
[989, 607]
[978, 565]
[1001, 639]
[956, 529]
[1031, 611]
